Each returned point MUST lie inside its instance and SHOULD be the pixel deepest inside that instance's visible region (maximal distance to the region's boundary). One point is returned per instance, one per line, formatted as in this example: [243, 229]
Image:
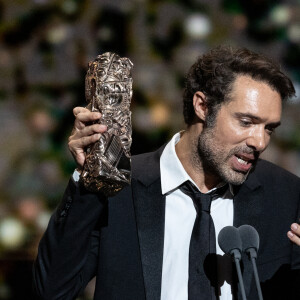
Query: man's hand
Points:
[294, 234]
[84, 133]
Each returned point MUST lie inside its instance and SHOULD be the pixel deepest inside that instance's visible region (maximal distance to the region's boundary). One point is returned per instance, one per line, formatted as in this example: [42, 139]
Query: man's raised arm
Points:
[67, 253]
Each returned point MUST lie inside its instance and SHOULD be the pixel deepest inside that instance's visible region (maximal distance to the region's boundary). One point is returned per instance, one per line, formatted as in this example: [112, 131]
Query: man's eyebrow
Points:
[256, 118]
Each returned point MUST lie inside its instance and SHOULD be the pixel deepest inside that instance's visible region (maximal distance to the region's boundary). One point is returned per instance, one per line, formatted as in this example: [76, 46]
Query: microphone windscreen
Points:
[249, 236]
[229, 239]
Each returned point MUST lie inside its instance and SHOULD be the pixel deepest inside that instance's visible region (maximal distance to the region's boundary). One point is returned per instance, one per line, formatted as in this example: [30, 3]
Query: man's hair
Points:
[215, 72]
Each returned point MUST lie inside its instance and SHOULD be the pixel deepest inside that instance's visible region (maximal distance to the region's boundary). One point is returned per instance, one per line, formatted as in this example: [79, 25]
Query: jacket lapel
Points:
[248, 205]
[149, 204]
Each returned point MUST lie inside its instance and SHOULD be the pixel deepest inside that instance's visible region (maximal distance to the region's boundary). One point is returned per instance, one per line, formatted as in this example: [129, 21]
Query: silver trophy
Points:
[108, 90]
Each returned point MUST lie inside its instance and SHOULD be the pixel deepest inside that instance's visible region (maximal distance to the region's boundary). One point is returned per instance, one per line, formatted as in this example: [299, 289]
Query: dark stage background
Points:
[44, 49]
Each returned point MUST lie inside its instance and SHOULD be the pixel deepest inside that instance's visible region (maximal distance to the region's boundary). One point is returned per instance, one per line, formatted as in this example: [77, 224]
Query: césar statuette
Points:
[108, 90]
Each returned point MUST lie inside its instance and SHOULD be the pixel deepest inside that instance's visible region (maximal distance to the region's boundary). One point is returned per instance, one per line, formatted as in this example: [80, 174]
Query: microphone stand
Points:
[237, 257]
[252, 255]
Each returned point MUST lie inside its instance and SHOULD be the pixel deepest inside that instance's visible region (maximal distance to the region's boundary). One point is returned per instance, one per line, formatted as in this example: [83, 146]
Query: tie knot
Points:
[201, 201]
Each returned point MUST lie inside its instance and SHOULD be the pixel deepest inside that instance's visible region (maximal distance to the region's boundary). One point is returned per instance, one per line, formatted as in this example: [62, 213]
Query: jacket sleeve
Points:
[67, 255]
[295, 275]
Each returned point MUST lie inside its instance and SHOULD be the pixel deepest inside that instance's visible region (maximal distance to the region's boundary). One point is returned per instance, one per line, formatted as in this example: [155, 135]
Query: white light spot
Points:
[198, 26]
[294, 33]
[12, 233]
[280, 15]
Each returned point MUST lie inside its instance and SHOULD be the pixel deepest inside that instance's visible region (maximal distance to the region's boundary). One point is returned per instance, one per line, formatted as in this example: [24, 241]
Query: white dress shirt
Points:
[179, 221]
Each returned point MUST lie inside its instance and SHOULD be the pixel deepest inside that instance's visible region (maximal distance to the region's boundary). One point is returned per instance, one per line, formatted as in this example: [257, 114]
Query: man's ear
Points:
[200, 107]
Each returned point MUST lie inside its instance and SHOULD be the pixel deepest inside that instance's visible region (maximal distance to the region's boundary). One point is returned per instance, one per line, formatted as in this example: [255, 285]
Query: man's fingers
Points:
[294, 233]
[88, 116]
[82, 138]
[82, 119]
[295, 228]
[88, 130]
[84, 132]
[77, 146]
[79, 109]
[84, 115]
[294, 238]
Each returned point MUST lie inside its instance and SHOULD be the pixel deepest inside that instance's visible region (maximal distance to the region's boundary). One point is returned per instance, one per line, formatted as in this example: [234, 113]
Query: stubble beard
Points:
[215, 161]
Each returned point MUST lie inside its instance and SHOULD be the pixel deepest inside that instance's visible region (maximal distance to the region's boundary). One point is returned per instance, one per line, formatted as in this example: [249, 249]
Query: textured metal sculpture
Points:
[108, 90]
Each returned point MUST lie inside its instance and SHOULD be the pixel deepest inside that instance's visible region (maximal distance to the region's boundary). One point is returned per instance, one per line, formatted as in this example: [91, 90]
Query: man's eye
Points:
[245, 123]
[270, 130]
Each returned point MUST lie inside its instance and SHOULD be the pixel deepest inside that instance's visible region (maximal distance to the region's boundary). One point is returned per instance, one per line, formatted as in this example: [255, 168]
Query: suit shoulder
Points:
[147, 163]
[141, 158]
[270, 171]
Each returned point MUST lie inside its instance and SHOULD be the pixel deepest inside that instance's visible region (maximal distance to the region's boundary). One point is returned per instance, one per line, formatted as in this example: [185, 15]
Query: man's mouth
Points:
[243, 162]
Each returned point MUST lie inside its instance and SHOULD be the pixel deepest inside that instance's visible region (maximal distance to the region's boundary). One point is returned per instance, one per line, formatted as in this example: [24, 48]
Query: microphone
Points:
[230, 242]
[250, 241]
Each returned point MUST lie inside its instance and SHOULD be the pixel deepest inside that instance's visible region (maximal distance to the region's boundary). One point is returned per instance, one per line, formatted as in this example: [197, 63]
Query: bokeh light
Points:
[198, 26]
[12, 233]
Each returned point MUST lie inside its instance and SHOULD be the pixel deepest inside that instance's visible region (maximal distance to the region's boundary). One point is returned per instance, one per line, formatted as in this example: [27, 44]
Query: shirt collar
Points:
[171, 170]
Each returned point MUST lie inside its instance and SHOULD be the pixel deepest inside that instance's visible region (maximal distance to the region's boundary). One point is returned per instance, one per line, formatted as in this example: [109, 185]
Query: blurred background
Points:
[45, 46]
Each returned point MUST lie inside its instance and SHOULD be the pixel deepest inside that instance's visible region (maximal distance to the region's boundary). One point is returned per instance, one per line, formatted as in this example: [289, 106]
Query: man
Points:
[138, 243]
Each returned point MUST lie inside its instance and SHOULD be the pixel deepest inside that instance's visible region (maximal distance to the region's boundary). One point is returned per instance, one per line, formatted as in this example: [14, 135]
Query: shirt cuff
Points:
[76, 176]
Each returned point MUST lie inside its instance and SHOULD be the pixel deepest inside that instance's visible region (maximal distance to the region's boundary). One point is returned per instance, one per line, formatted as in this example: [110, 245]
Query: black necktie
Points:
[202, 255]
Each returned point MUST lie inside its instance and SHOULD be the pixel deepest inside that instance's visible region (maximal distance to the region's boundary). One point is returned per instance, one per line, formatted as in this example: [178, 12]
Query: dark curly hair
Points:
[214, 74]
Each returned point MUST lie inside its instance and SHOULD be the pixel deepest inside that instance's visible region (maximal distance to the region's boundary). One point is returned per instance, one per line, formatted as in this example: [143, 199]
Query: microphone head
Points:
[249, 237]
[229, 239]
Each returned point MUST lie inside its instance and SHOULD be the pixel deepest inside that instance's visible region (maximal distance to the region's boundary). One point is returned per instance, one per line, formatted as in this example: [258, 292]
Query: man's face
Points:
[242, 130]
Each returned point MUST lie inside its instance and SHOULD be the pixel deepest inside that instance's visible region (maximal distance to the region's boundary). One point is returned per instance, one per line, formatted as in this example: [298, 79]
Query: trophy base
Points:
[102, 185]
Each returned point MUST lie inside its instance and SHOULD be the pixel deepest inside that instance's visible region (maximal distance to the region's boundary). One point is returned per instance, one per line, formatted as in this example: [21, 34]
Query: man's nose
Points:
[258, 139]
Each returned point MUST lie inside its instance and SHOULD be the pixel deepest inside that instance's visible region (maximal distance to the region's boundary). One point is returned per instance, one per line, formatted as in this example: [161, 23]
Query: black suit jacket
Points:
[120, 240]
